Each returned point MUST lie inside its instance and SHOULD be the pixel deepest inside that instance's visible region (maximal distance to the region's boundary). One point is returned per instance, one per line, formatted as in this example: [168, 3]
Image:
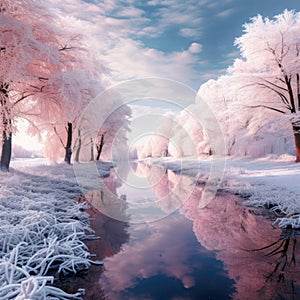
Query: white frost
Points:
[42, 228]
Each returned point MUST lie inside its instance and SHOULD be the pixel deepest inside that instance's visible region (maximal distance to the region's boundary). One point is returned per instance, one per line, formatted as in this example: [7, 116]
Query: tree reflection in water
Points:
[284, 252]
[113, 235]
[259, 257]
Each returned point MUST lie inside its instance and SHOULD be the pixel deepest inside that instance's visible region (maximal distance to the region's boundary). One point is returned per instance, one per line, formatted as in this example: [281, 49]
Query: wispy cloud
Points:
[131, 59]
[113, 32]
[226, 13]
[189, 32]
[184, 14]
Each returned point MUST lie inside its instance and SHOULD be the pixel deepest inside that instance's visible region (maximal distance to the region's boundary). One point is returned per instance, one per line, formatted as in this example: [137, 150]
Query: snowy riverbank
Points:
[42, 230]
[265, 182]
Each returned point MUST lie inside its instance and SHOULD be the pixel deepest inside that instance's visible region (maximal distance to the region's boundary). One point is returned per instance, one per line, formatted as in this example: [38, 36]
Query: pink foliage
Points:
[114, 130]
[51, 71]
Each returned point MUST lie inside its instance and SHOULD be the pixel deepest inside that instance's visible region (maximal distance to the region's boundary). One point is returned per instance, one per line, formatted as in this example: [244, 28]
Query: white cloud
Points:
[150, 31]
[226, 13]
[131, 12]
[131, 59]
[154, 2]
[115, 39]
[180, 13]
[139, 110]
[189, 32]
[195, 48]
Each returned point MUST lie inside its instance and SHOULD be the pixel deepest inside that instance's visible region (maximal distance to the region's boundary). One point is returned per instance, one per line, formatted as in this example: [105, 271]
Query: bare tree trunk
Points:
[68, 148]
[298, 90]
[6, 151]
[290, 92]
[100, 147]
[78, 147]
[92, 150]
[7, 134]
[296, 130]
[165, 152]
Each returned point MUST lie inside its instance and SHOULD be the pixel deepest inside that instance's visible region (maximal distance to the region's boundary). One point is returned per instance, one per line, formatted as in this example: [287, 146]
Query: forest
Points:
[50, 73]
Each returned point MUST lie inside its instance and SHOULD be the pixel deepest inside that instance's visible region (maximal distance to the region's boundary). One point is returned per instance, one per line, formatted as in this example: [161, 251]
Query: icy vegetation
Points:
[42, 231]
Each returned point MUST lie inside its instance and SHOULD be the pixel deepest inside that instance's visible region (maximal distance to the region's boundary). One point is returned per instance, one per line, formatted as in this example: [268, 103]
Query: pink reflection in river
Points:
[157, 251]
[254, 255]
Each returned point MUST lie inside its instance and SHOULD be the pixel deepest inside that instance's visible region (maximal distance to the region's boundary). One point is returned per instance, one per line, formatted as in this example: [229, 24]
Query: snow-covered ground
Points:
[265, 182]
[42, 228]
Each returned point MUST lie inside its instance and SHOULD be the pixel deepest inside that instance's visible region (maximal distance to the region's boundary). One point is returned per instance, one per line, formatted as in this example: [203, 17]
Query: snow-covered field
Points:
[265, 182]
[42, 230]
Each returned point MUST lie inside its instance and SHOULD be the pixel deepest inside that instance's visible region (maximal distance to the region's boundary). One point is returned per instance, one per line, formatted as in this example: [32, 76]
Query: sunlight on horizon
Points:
[25, 140]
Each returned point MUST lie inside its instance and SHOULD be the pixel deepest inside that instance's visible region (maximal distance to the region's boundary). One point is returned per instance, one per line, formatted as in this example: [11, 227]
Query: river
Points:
[156, 243]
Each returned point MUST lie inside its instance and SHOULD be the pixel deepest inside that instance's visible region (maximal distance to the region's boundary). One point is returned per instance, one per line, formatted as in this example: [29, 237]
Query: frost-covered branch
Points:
[265, 106]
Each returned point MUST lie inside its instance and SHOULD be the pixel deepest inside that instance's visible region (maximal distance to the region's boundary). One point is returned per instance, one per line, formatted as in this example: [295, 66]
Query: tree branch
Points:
[59, 137]
[275, 85]
[22, 98]
[268, 107]
[65, 47]
[281, 95]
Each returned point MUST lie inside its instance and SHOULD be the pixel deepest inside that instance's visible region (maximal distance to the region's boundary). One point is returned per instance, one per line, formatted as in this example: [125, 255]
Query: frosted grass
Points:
[42, 232]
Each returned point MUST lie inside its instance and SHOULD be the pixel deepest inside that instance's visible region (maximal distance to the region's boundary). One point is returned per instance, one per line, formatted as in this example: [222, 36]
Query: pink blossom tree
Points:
[80, 78]
[69, 93]
[102, 126]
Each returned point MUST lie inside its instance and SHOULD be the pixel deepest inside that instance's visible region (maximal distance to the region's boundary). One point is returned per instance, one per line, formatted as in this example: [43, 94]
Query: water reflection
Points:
[163, 260]
[284, 253]
[113, 235]
[154, 193]
[260, 259]
[223, 251]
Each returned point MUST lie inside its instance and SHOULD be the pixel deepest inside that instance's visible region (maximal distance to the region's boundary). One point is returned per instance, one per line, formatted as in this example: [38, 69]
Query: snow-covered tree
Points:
[69, 93]
[255, 104]
[269, 67]
[102, 127]
[246, 131]
[26, 52]
[113, 130]
[48, 74]
[157, 144]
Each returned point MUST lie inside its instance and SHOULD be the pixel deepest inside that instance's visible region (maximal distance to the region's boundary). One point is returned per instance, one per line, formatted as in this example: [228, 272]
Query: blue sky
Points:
[190, 41]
